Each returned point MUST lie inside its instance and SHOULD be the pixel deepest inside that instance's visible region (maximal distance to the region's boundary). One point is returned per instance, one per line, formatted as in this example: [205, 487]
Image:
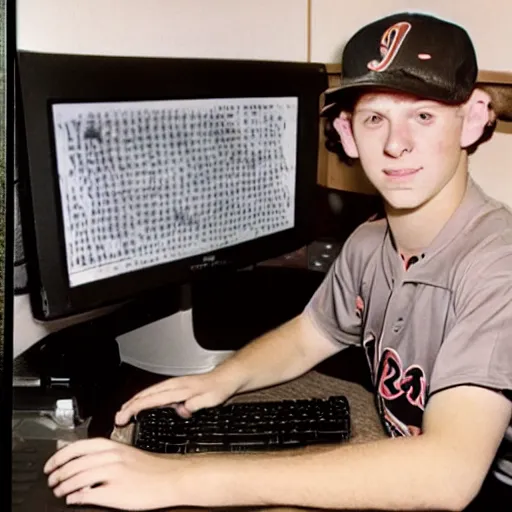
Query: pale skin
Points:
[413, 152]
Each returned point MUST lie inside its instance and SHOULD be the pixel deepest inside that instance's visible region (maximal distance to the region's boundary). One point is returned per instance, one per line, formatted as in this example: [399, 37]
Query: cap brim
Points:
[497, 84]
[337, 97]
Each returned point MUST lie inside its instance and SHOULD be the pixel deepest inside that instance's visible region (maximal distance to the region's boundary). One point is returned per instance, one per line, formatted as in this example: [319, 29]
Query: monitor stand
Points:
[168, 346]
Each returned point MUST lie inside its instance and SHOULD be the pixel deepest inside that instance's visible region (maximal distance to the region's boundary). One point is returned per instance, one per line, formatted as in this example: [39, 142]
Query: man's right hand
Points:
[278, 356]
[185, 394]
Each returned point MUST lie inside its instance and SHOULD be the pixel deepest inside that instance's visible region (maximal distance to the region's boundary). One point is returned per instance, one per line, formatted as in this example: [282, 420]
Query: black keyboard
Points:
[245, 427]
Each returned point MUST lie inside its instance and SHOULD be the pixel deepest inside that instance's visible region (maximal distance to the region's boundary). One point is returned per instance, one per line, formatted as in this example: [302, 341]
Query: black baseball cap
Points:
[408, 52]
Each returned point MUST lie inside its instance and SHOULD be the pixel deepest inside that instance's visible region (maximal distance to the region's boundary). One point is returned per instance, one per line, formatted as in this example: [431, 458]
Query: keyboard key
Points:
[175, 447]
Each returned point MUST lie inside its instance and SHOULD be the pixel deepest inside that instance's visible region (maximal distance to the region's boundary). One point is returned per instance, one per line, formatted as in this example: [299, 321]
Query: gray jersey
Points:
[446, 321]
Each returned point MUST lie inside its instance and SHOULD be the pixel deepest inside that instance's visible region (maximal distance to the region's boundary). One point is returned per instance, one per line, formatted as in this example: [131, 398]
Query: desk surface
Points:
[366, 427]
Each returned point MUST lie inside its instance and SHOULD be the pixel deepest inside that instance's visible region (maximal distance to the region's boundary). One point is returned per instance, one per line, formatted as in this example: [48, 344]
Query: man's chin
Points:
[405, 202]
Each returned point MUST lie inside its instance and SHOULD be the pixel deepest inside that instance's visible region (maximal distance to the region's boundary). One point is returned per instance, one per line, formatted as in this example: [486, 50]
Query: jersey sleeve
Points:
[478, 349]
[333, 307]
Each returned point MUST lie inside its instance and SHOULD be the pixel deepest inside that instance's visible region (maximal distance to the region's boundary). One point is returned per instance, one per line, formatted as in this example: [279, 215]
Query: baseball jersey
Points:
[443, 322]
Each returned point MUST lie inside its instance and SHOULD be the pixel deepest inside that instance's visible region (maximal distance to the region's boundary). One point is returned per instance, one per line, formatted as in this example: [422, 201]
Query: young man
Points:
[427, 291]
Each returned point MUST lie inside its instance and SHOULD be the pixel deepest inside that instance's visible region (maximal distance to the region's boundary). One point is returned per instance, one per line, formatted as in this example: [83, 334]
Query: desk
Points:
[365, 427]
[365, 423]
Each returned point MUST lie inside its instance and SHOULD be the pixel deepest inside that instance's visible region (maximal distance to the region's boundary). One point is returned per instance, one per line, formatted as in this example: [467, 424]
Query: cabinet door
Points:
[234, 29]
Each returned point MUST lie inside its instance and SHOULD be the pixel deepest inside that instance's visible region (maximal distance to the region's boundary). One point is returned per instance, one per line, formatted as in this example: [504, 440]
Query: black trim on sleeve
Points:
[506, 392]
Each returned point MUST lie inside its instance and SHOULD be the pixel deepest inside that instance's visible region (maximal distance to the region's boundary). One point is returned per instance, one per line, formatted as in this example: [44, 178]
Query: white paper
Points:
[143, 183]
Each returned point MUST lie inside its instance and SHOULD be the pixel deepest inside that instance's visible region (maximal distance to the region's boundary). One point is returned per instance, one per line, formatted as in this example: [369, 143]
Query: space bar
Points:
[251, 438]
[195, 447]
[248, 439]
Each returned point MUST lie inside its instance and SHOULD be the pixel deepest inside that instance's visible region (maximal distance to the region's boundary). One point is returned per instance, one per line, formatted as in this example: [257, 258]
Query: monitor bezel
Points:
[47, 79]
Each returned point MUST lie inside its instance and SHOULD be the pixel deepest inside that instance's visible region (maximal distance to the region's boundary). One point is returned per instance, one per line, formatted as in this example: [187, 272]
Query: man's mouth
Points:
[400, 173]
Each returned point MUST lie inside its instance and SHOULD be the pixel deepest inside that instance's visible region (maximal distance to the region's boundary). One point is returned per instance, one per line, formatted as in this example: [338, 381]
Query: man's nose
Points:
[399, 140]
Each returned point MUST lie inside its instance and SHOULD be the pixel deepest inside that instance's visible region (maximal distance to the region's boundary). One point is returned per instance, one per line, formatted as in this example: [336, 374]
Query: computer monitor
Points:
[140, 173]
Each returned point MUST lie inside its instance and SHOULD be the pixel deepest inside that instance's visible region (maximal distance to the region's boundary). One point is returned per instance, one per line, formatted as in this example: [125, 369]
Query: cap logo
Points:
[390, 43]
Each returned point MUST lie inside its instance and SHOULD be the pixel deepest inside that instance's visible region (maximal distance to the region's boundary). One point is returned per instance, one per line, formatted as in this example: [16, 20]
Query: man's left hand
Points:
[107, 473]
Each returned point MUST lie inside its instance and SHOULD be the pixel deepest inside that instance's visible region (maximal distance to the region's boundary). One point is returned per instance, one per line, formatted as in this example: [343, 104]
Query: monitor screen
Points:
[141, 173]
[146, 183]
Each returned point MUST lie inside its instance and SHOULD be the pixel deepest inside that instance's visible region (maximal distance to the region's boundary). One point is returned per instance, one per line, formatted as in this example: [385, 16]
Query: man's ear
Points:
[343, 126]
[477, 117]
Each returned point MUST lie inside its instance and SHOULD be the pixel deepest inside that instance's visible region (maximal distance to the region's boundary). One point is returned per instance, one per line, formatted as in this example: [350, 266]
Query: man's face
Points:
[409, 148]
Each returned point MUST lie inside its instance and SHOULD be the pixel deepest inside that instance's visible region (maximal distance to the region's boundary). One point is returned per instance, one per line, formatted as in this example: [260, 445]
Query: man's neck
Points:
[414, 230]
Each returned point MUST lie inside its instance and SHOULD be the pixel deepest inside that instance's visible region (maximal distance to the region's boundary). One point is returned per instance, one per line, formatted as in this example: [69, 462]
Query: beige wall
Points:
[235, 29]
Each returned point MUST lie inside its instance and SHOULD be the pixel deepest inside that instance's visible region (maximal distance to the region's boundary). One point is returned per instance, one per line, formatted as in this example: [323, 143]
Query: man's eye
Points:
[425, 116]
[373, 119]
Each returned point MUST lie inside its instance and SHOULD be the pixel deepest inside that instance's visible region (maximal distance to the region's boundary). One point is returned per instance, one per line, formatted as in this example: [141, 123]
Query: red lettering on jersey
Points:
[393, 382]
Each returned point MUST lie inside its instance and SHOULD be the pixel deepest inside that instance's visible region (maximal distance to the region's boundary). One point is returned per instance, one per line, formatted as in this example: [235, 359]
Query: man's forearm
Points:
[392, 474]
[278, 356]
